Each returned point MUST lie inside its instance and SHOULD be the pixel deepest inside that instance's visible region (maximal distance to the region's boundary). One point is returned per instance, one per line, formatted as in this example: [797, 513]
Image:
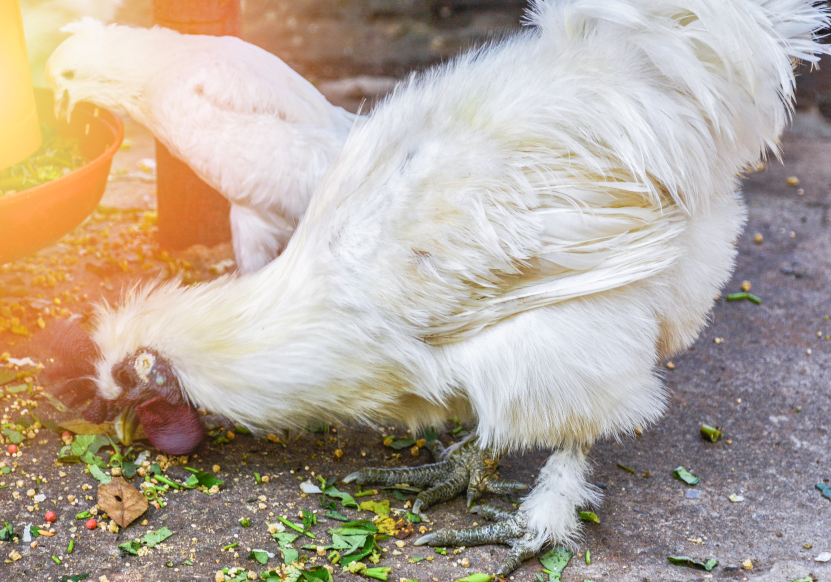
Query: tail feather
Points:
[733, 58]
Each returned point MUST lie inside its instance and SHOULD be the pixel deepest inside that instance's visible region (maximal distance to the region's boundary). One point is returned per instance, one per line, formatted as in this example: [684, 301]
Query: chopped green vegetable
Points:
[55, 157]
[296, 527]
[260, 556]
[476, 578]
[377, 573]
[100, 475]
[625, 468]
[150, 539]
[682, 474]
[13, 436]
[710, 433]
[555, 561]
[162, 479]
[75, 578]
[7, 532]
[245, 522]
[201, 479]
[56, 560]
[399, 444]
[290, 555]
[589, 516]
[743, 295]
[309, 519]
[258, 478]
[230, 546]
[413, 517]
[588, 557]
[70, 547]
[686, 561]
[336, 515]
[83, 515]
[345, 498]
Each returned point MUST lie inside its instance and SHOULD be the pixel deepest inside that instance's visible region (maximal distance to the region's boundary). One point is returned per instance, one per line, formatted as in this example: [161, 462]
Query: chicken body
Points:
[518, 237]
[244, 121]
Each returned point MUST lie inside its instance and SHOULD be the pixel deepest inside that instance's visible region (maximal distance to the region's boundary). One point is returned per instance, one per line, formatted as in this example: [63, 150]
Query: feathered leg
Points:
[258, 237]
[548, 514]
[466, 467]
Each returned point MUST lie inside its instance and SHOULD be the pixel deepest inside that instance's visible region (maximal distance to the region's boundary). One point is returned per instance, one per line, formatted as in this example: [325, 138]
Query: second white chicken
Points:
[243, 120]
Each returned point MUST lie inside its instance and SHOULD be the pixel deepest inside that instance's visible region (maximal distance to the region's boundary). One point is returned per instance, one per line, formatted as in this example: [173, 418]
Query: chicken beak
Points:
[126, 425]
[63, 106]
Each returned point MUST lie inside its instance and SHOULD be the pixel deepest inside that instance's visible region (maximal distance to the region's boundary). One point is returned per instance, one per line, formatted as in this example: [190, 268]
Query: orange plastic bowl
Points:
[36, 218]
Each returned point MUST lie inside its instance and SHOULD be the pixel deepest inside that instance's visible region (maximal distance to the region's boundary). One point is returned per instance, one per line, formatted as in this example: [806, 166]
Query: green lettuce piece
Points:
[683, 475]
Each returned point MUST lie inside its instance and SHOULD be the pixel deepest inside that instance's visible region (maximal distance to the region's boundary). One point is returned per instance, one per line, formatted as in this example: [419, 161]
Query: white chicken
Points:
[519, 236]
[243, 120]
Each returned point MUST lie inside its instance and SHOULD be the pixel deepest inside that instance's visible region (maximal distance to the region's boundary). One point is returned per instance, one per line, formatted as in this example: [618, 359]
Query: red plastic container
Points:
[35, 218]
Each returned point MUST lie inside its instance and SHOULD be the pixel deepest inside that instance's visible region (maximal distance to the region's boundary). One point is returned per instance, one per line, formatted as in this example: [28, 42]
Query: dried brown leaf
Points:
[403, 529]
[121, 501]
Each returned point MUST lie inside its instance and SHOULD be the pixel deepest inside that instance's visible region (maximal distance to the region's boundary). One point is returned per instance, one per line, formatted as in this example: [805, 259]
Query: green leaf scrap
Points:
[710, 433]
[555, 561]
[200, 478]
[260, 556]
[13, 436]
[683, 475]
[102, 477]
[150, 539]
[589, 516]
[689, 562]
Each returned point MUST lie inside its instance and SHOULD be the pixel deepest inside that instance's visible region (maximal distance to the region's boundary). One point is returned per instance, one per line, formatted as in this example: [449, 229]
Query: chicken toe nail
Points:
[351, 477]
[424, 539]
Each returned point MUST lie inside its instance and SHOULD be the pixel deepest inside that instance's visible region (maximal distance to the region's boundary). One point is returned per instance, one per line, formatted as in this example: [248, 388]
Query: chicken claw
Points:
[466, 467]
[508, 528]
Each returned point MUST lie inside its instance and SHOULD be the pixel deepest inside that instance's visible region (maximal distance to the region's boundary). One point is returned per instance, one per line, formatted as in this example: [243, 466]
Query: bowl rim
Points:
[116, 127]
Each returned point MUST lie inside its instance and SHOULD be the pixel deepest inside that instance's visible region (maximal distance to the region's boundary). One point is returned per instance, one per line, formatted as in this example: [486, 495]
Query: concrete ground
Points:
[760, 372]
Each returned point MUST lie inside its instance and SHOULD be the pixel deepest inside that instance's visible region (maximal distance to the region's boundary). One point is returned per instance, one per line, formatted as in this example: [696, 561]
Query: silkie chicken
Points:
[243, 120]
[518, 237]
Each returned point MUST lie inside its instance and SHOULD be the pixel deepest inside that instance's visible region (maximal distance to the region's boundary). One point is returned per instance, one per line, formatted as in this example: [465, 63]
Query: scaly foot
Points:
[508, 528]
[468, 467]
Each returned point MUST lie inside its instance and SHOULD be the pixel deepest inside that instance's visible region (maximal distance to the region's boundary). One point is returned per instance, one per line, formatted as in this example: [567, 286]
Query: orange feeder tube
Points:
[19, 128]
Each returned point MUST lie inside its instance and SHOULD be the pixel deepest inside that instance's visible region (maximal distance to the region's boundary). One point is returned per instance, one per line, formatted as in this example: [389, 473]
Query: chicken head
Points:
[153, 398]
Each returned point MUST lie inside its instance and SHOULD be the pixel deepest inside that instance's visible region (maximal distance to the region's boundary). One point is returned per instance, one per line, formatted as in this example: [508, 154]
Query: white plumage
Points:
[519, 237]
[242, 119]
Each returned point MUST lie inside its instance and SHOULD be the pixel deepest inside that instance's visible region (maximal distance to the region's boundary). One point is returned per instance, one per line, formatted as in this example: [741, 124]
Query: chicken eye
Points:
[68, 75]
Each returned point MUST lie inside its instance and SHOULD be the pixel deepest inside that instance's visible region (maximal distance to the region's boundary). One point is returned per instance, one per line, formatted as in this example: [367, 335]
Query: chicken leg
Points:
[549, 513]
[458, 468]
